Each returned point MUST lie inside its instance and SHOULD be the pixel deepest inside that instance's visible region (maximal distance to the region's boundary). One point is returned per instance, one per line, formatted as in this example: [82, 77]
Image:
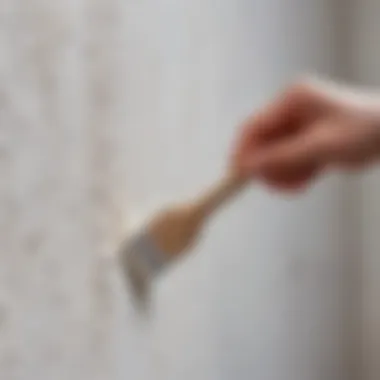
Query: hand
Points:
[310, 127]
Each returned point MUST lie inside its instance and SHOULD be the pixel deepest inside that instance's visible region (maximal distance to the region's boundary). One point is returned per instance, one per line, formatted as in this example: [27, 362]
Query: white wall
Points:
[110, 108]
[268, 293]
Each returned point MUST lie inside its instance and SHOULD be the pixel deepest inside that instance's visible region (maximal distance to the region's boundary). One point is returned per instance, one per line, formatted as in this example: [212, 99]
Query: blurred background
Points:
[110, 108]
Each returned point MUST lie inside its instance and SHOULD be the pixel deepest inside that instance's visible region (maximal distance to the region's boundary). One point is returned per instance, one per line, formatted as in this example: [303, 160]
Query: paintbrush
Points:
[171, 233]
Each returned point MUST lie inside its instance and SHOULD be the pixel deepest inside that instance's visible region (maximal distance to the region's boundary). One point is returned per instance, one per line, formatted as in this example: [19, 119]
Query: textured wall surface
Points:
[107, 109]
[60, 111]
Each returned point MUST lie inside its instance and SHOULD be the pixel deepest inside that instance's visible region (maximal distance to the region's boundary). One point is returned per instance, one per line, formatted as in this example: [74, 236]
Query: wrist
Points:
[368, 116]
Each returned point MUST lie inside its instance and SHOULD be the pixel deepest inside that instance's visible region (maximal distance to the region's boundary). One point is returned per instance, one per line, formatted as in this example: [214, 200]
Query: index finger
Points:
[275, 121]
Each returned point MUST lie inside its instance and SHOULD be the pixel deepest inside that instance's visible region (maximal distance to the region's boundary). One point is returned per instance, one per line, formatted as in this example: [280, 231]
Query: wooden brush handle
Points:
[216, 196]
[176, 228]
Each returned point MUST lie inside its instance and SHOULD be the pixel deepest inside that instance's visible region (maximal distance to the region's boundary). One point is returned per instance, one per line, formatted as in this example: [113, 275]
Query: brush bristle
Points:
[141, 261]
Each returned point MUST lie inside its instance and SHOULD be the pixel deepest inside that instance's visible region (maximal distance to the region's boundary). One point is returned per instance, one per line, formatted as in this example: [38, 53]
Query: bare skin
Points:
[309, 128]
